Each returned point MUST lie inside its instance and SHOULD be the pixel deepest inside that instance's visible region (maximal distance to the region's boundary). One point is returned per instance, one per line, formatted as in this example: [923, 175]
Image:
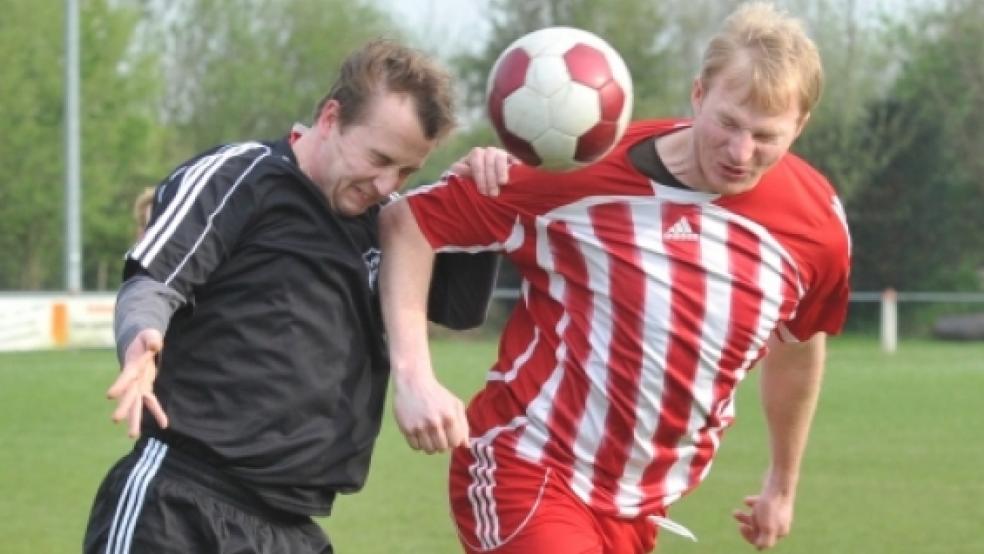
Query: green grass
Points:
[894, 463]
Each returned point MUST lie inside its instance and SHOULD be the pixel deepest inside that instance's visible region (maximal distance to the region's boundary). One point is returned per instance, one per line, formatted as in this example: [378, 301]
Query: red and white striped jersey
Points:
[642, 307]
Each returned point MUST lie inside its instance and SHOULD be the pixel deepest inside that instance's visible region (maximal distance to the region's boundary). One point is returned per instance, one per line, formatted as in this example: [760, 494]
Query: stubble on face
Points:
[367, 160]
[733, 141]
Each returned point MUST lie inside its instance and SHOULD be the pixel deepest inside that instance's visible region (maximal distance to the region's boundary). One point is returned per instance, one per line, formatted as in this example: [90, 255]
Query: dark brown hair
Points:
[384, 66]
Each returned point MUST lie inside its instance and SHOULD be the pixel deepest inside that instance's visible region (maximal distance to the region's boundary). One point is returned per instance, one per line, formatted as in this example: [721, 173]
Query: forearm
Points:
[790, 386]
[142, 303]
[405, 275]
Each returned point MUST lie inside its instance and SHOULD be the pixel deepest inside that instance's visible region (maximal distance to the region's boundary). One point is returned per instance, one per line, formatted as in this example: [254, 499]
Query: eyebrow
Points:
[387, 159]
[732, 118]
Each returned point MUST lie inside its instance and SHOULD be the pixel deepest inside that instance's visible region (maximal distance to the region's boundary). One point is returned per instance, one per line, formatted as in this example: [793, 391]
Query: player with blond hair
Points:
[653, 282]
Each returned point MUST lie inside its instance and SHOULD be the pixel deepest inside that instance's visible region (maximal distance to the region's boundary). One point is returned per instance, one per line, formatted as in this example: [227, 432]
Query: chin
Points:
[351, 211]
[733, 187]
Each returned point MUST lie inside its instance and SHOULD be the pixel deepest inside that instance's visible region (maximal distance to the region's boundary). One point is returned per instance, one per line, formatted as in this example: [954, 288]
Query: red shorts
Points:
[504, 504]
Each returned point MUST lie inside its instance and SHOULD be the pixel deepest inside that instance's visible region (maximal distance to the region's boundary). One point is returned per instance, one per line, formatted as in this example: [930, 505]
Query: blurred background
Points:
[898, 131]
[894, 463]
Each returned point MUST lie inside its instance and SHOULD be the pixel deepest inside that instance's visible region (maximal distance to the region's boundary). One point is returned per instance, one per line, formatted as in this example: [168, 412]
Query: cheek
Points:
[769, 155]
[716, 137]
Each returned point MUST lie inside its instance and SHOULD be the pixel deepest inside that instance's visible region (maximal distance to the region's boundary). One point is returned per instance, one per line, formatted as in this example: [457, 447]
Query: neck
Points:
[677, 151]
[302, 152]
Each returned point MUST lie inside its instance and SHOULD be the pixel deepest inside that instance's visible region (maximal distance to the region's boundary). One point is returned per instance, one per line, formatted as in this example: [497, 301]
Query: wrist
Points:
[408, 374]
[782, 483]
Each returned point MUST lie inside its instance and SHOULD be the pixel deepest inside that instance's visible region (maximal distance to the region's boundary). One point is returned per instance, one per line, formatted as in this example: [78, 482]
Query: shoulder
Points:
[796, 171]
[809, 205]
[233, 155]
[638, 130]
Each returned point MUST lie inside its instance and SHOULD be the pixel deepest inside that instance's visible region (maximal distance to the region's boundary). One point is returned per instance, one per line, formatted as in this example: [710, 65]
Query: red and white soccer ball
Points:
[559, 98]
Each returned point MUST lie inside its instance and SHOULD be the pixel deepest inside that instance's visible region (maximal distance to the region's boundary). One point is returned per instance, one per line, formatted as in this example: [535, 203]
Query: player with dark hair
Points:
[248, 325]
[653, 281]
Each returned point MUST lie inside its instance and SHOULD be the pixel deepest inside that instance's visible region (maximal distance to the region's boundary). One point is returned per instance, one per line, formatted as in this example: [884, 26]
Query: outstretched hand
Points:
[430, 417]
[134, 388]
[768, 519]
[488, 166]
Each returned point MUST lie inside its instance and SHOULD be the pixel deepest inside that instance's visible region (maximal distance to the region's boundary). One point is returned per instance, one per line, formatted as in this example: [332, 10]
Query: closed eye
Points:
[381, 160]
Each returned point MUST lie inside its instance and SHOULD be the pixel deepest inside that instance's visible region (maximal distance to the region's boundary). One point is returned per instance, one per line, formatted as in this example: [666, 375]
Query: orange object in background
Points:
[59, 323]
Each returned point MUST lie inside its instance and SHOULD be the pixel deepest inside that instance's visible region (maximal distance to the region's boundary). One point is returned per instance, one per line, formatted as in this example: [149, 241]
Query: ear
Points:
[696, 95]
[329, 117]
[802, 124]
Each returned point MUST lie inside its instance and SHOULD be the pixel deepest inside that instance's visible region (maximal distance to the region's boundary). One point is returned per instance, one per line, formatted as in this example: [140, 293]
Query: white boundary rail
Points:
[889, 299]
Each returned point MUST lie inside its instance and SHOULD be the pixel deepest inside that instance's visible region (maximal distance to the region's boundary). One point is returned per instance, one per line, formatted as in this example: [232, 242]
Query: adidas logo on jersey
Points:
[680, 230]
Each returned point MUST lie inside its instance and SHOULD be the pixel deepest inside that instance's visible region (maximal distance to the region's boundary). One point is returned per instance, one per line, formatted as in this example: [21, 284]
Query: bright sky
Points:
[444, 25]
[448, 25]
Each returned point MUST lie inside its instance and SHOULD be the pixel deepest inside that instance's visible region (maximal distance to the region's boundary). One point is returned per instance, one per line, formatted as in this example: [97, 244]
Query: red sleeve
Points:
[454, 216]
[824, 304]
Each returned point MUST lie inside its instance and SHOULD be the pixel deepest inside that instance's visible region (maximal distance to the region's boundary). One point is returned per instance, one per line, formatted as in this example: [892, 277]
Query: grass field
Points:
[895, 461]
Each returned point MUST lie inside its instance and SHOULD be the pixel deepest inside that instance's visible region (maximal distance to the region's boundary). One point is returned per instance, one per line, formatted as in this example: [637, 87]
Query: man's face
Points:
[735, 141]
[359, 165]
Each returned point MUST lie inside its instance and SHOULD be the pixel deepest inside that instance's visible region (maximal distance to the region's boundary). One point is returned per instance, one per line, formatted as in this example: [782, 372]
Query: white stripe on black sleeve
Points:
[201, 214]
[193, 181]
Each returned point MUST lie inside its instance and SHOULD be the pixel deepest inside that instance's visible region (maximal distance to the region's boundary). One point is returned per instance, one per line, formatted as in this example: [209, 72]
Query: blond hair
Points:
[779, 60]
[142, 206]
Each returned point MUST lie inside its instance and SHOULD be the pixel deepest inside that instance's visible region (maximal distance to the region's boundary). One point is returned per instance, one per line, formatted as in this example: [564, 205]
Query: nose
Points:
[741, 147]
[387, 182]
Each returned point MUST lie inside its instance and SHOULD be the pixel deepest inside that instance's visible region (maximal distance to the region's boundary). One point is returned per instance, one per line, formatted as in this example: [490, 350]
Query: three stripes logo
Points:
[680, 231]
[132, 498]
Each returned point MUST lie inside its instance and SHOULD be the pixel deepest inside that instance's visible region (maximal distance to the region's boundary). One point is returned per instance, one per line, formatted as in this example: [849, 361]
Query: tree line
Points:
[898, 130]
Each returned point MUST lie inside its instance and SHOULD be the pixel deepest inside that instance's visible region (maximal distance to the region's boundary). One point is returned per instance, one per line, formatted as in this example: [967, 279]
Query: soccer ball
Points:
[559, 98]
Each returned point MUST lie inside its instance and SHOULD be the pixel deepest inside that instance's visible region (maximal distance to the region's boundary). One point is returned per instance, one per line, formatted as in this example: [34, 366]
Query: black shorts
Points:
[159, 500]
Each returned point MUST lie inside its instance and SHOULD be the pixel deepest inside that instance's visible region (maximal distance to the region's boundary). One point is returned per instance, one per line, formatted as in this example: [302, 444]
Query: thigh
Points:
[558, 524]
[143, 508]
[119, 504]
[505, 505]
[186, 518]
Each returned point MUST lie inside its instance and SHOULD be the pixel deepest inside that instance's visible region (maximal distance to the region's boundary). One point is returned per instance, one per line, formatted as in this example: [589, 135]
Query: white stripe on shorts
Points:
[132, 497]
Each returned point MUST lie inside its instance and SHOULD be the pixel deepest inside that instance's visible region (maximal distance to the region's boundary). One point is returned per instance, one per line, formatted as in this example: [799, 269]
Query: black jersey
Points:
[275, 370]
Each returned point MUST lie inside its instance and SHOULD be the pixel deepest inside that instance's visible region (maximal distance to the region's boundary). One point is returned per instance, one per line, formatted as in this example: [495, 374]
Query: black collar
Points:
[645, 158]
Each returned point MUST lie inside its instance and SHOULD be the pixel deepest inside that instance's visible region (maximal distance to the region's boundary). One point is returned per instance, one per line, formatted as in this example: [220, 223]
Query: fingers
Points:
[452, 432]
[490, 165]
[501, 168]
[136, 415]
[758, 527]
[458, 428]
[154, 406]
[133, 389]
[487, 166]
[496, 164]
[127, 377]
[765, 538]
[743, 518]
[129, 374]
[748, 528]
[482, 173]
[460, 167]
[125, 404]
[430, 417]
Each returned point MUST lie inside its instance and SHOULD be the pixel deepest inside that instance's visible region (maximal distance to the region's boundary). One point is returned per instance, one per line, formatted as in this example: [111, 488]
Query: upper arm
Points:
[454, 216]
[806, 355]
[823, 306]
[204, 211]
